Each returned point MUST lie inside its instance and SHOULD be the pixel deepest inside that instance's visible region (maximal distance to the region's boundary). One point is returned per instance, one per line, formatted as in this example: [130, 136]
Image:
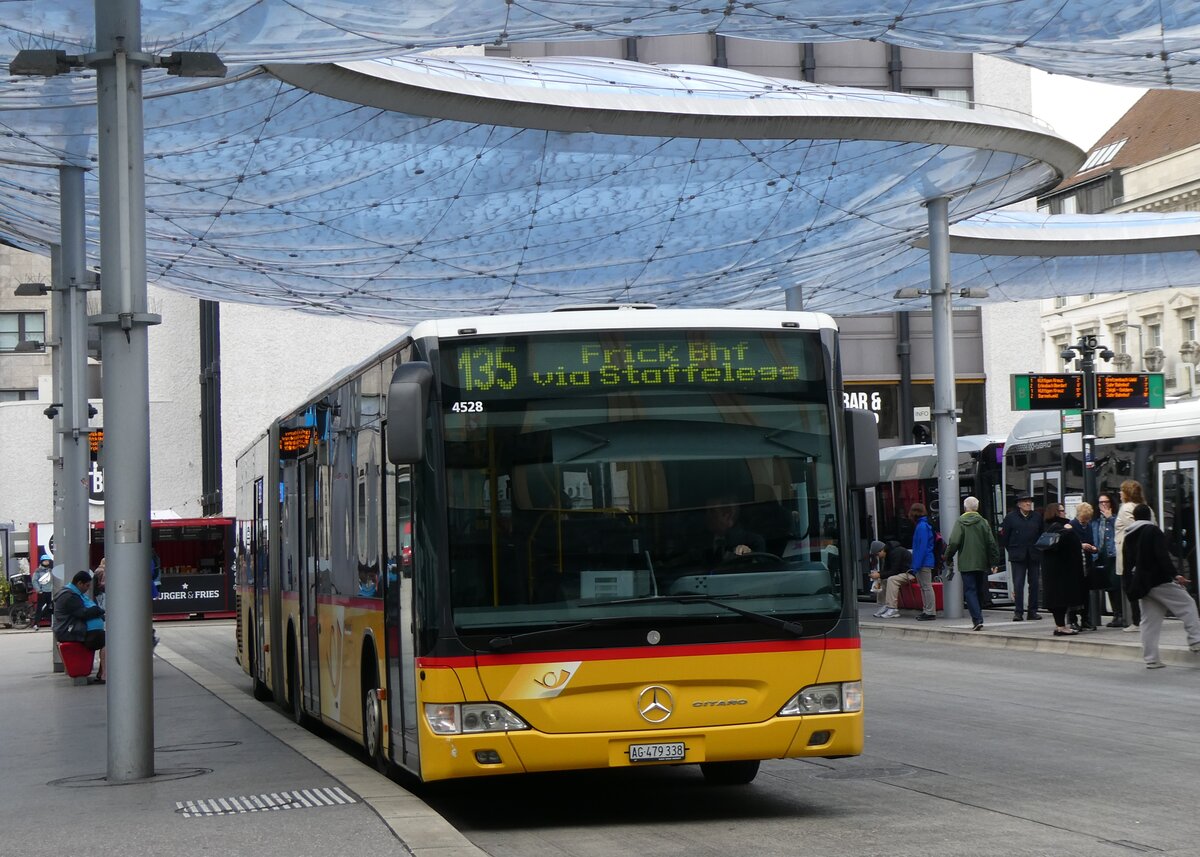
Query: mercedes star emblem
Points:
[655, 704]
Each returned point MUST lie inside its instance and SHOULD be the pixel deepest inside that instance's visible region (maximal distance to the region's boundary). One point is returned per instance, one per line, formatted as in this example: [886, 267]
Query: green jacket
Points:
[972, 541]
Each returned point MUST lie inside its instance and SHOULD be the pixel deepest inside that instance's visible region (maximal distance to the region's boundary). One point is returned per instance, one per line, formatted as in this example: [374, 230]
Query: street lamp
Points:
[1087, 348]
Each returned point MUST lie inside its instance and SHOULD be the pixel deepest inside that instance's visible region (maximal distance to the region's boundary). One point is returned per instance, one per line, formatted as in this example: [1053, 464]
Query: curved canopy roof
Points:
[1024, 256]
[414, 187]
[425, 186]
[1152, 43]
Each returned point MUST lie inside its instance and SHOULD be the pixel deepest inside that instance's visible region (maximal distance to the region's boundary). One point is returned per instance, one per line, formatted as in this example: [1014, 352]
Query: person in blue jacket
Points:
[923, 560]
[77, 618]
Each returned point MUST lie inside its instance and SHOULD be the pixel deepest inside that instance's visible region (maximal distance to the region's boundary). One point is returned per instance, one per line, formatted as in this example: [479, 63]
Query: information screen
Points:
[1137, 390]
[294, 441]
[1047, 392]
[587, 363]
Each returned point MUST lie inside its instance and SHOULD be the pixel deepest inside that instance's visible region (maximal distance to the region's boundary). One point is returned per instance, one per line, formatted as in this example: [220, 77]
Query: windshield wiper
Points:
[506, 641]
[794, 628]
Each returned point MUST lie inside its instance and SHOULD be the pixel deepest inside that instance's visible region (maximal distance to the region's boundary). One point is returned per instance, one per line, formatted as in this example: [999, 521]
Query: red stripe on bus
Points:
[762, 647]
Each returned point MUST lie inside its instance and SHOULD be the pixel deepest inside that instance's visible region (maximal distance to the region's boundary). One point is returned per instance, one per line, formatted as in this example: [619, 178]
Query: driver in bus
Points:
[726, 538]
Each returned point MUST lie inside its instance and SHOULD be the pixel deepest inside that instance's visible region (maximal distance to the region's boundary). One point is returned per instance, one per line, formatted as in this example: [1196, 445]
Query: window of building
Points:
[1187, 327]
[18, 395]
[1069, 205]
[18, 327]
[1154, 335]
[958, 96]
[1101, 156]
[1119, 344]
[1060, 302]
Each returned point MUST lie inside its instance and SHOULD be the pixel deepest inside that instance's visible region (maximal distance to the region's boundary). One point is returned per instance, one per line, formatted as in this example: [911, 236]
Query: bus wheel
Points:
[729, 773]
[372, 718]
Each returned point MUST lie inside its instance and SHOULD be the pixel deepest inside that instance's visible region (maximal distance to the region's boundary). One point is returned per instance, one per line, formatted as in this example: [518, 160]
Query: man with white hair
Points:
[972, 542]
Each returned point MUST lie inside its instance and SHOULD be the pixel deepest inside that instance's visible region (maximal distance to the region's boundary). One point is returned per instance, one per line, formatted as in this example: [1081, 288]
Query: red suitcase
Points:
[77, 658]
[910, 596]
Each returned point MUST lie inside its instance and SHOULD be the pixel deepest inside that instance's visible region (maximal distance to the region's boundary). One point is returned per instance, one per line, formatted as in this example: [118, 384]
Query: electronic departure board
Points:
[95, 441]
[592, 362]
[1047, 392]
[1065, 392]
[1136, 390]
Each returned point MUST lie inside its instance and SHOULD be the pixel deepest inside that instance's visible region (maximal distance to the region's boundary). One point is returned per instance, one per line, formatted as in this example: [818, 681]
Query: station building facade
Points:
[1149, 160]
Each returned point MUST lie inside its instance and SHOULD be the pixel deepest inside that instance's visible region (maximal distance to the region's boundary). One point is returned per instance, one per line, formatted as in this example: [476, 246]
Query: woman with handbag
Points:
[1062, 567]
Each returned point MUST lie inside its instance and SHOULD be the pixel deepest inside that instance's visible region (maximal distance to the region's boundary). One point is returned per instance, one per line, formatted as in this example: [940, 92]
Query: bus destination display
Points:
[589, 363]
[294, 441]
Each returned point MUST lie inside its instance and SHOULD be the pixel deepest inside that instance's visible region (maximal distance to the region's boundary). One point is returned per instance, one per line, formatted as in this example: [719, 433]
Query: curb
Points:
[1116, 650]
[421, 831]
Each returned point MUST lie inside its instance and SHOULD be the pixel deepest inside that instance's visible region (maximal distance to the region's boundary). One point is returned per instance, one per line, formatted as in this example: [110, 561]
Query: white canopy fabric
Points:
[409, 187]
[553, 182]
[1151, 43]
[1023, 256]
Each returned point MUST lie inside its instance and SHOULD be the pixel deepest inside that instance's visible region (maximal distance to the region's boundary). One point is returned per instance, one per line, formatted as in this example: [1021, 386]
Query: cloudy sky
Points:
[1080, 110]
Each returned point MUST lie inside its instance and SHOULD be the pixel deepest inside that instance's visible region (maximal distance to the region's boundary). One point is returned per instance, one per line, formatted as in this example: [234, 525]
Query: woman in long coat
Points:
[1063, 575]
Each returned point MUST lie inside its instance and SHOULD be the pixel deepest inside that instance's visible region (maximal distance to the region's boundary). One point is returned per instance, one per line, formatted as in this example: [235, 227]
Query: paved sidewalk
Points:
[1000, 632]
[217, 751]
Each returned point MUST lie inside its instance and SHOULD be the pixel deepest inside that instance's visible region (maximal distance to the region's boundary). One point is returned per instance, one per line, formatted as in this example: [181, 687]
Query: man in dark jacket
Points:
[72, 610]
[1018, 533]
[1150, 577]
[892, 560]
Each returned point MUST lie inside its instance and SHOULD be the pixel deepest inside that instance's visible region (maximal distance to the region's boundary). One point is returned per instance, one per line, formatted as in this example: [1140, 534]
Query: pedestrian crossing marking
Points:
[298, 799]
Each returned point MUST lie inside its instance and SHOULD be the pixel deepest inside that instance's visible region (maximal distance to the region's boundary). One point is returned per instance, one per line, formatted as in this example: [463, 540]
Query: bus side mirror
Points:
[862, 436]
[408, 397]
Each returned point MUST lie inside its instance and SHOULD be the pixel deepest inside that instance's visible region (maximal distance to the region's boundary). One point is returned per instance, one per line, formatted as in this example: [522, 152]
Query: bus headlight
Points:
[825, 699]
[470, 717]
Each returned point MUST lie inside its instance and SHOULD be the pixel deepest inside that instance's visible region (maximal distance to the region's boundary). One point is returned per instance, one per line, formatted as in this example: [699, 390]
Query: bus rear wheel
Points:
[729, 773]
[295, 697]
[372, 719]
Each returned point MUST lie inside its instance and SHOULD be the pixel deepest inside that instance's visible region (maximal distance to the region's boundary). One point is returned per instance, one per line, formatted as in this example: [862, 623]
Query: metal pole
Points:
[123, 321]
[72, 539]
[1087, 350]
[944, 410]
[904, 357]
[55, 340]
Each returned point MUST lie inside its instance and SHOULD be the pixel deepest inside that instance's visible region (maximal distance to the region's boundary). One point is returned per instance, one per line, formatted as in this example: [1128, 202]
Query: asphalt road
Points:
[970, 751]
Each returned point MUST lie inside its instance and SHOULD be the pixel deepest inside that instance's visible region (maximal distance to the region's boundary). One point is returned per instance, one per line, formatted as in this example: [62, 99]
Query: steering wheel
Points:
[740, 560]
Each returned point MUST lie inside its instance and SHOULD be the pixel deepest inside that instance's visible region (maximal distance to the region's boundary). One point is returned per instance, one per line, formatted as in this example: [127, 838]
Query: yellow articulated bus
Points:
[595, 538]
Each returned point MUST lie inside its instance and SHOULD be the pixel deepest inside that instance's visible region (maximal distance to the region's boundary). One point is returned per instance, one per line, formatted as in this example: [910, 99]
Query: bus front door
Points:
[310, 640]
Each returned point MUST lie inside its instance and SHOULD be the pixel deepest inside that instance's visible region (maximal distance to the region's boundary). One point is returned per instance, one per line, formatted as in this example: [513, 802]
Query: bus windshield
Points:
[592, 477]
